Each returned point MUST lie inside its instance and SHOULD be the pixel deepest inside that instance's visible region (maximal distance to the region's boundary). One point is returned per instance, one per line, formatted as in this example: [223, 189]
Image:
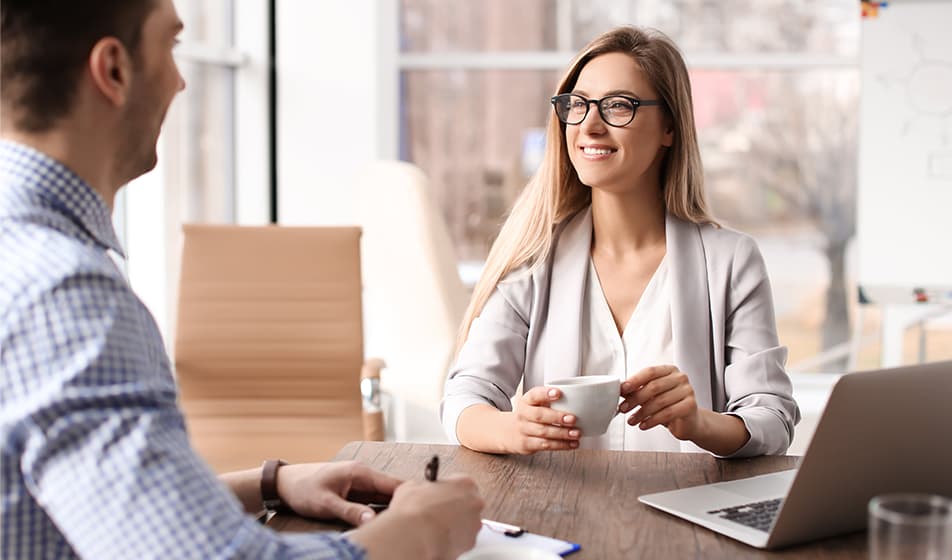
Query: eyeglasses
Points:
[615, 110]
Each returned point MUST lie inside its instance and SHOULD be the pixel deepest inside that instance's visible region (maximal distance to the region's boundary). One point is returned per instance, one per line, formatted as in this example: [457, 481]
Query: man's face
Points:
[156, 80]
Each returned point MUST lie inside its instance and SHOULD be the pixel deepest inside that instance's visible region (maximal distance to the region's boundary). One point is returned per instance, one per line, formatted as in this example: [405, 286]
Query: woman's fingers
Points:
[677, 411]
[660, 403]
[652, 389]
[644, 377]
[540, 396]
[549, 432]
[540, 427]
[543, 415]
[534, 444]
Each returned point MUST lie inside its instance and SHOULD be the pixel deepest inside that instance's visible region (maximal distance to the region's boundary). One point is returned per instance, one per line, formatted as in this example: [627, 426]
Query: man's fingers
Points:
[367, 480]
[355, 514]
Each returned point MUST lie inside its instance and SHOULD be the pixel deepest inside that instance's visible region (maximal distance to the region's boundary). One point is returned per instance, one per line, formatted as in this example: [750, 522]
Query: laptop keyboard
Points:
[758, 515]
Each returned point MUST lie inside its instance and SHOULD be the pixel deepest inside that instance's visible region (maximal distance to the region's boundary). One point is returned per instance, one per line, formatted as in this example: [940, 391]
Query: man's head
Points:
[105, 64]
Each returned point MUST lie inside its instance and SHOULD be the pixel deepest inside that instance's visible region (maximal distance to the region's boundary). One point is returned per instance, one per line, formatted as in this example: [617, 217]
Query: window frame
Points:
[140, 214]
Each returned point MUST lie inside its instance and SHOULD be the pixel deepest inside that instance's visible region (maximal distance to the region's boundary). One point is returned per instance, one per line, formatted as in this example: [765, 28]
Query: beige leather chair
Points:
[414, 298]
[269, 343]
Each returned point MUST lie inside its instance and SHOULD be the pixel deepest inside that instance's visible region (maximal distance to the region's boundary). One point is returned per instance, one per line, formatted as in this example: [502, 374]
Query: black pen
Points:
[432, 468]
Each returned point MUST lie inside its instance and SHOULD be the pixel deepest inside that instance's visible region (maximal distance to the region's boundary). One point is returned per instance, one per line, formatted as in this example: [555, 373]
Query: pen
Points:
[432, 468]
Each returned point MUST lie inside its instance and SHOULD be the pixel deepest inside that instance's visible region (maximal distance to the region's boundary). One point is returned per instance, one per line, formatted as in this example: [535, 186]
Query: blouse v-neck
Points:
[645, 341]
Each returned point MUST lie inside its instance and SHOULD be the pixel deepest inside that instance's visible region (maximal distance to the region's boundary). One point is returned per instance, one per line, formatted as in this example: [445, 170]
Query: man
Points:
[94, 457]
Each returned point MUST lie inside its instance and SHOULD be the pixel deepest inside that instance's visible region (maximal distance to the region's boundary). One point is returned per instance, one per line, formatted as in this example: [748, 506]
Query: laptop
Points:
[881, 431]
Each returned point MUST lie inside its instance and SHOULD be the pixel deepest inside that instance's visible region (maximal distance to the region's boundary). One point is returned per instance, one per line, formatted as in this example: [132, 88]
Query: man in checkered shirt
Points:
[94, 457]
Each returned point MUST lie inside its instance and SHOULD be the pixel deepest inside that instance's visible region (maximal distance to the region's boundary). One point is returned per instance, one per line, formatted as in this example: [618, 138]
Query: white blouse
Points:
[646, 341]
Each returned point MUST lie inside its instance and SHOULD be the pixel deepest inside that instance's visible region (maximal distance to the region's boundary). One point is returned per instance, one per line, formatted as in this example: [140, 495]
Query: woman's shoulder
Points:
[723, 239]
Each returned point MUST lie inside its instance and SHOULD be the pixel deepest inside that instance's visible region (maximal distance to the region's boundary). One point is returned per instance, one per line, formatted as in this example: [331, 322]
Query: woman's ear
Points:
[668, 138]
[110, 69]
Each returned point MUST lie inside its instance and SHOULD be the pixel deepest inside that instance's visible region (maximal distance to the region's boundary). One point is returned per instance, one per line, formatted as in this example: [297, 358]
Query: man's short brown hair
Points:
[44, 45]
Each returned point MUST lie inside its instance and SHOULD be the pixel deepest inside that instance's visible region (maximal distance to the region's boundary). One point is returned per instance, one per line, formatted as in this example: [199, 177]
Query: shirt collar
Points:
[61, 188]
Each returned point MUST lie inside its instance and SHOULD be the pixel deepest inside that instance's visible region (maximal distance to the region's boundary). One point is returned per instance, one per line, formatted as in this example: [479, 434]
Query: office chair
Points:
[414, 298]
[269, 344]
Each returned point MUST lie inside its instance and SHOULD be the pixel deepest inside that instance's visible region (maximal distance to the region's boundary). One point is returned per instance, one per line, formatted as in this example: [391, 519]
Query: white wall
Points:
[337, 103]
[338, 110]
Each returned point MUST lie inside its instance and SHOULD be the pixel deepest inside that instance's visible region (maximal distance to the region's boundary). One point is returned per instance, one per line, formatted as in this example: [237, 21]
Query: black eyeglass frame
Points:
[635, 102]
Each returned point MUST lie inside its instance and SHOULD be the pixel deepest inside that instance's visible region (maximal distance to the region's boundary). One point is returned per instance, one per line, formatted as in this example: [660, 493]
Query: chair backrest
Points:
[413, 296]
[269, 342]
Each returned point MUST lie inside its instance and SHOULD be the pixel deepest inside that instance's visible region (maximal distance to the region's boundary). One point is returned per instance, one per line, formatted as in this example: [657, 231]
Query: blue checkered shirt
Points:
[94, 457]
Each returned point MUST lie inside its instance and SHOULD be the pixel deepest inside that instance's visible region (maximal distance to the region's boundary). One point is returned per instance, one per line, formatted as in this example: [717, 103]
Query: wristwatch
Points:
[269, 486]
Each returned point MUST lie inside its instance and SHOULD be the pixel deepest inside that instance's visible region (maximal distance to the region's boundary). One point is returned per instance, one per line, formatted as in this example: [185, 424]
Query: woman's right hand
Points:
[537, 427]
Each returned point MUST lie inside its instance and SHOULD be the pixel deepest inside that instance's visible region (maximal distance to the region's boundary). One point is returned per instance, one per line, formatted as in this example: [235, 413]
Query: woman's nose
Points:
[592, 123]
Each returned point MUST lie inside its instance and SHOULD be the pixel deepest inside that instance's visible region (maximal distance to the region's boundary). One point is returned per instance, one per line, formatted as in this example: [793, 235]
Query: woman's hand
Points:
[537, 427]
[666, 398]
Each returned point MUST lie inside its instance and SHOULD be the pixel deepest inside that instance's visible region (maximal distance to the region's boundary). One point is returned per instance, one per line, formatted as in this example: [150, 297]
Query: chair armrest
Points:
[370, 393]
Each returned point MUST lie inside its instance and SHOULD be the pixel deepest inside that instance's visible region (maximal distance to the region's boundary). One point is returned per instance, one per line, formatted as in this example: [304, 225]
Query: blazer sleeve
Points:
[758, 389]
[491, 363]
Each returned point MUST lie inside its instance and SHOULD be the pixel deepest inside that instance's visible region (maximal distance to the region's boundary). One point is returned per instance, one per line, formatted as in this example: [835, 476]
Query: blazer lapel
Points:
[566, 289]
[690, 306]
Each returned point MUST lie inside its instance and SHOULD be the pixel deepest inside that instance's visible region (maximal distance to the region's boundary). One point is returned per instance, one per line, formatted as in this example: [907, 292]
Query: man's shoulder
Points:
[38, 255]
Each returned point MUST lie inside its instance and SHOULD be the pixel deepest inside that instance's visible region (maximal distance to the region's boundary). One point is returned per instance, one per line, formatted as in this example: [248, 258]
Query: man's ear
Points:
[110, 68]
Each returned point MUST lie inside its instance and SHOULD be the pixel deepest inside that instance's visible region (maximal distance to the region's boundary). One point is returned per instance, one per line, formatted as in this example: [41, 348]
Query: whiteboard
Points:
[904, 198]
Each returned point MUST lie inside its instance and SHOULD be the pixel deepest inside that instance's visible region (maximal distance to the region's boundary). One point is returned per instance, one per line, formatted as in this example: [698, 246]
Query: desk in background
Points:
[591, 497]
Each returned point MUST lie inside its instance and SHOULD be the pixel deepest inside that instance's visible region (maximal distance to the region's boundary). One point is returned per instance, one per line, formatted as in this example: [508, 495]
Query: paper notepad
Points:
[494, 532]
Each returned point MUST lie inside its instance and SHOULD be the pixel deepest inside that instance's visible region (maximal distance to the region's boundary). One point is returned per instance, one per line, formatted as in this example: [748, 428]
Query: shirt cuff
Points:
[764, 428]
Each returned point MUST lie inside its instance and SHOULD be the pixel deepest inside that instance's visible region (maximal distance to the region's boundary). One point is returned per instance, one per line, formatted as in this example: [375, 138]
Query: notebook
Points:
[494, 532]
[881, 432]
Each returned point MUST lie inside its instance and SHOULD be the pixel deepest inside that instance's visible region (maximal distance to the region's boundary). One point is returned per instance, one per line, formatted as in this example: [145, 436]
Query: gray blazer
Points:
[722, 319]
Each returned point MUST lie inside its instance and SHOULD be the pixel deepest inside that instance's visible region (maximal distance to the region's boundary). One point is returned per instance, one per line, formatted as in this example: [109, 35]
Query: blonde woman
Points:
[610, 263]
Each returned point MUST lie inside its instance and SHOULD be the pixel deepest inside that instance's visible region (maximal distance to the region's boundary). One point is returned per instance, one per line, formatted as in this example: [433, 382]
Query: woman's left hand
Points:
[666, 398]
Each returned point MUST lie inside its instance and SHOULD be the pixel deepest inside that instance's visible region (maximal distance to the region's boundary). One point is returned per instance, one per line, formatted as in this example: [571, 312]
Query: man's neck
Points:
[86, 157]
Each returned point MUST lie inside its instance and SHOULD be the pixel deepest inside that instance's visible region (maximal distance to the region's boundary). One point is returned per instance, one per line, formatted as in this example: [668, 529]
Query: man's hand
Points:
[425, 520]
[322, 490]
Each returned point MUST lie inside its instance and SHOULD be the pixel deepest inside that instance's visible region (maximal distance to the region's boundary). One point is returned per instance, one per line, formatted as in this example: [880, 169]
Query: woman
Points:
[610, 263]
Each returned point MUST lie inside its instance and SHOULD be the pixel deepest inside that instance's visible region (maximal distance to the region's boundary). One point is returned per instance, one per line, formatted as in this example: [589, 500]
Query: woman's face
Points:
[618, 159]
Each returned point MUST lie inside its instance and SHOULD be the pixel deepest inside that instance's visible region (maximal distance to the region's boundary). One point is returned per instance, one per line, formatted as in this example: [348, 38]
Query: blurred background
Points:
[287, 100]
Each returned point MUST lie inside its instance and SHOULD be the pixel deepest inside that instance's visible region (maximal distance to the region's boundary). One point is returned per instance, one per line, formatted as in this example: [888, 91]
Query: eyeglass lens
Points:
[616, 111]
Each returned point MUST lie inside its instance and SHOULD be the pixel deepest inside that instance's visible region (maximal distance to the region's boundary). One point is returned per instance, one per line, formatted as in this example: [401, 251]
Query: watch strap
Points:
[269, 485]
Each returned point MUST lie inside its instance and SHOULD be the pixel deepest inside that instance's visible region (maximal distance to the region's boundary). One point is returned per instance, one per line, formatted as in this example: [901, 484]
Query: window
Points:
[208, 170]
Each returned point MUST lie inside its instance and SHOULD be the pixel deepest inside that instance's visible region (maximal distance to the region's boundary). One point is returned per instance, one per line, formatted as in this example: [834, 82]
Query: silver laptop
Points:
[882, 431]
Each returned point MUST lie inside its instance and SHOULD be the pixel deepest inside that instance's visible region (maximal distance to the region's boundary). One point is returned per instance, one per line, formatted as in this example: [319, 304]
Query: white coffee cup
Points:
[593, 399]
[508, 552]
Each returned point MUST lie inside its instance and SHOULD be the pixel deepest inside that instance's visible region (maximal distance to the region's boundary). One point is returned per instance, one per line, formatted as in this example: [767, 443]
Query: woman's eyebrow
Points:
[629, 93]
[621, 92]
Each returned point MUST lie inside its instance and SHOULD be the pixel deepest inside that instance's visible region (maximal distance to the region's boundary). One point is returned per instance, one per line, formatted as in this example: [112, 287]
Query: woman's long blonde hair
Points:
[555, 193]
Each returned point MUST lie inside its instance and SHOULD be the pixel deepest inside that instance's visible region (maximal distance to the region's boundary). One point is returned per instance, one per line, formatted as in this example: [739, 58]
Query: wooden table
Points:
[591, 497]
